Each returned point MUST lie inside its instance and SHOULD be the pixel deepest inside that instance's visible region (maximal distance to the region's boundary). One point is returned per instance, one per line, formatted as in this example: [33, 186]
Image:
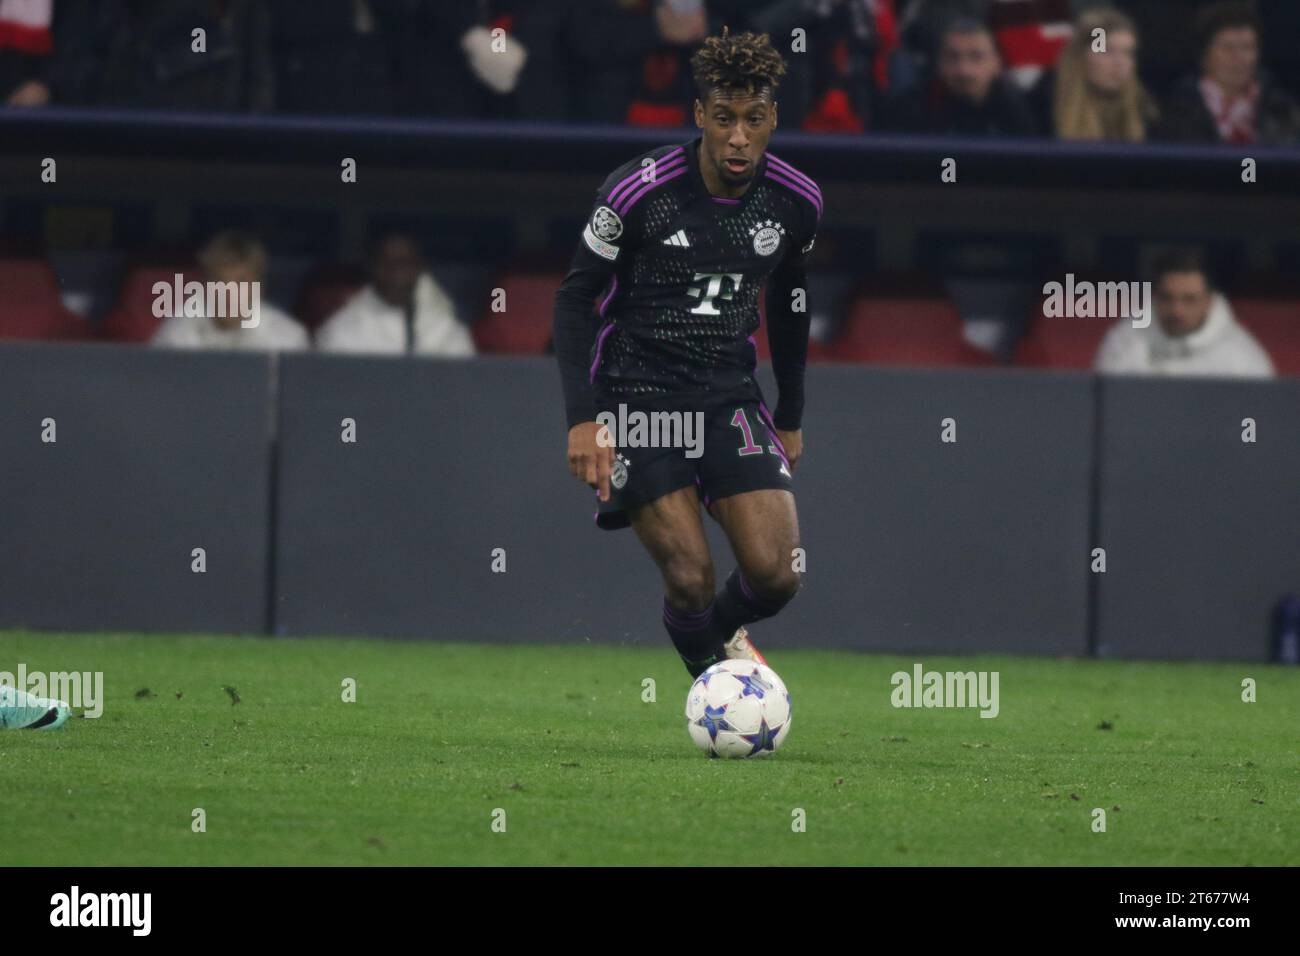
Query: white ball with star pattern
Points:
[738, 709]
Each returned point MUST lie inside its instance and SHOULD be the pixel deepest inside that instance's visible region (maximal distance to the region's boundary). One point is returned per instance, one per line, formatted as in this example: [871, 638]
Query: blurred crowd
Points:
[1191, 71]
[1167, 70]
[396, 306]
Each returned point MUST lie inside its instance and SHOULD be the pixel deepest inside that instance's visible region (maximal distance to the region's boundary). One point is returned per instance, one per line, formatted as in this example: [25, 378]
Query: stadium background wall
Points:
[914, 544]
[485, 192]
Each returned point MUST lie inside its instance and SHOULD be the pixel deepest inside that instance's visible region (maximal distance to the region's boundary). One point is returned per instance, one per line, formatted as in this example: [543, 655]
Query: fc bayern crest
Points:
[618, 477]
[767, 237]
[606, 224]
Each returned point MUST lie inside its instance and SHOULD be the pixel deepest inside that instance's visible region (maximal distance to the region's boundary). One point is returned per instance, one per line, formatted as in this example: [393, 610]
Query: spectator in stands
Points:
[662, 92]
[1194, 332]
[615, 61]
[853, 42]
[1232, 100]
[449, 61]
[1031, 34]
[836, 85]
[969, 94]
[26, 45]
[39, 58]
[402, 311]
[233, 257]
[1094, 92]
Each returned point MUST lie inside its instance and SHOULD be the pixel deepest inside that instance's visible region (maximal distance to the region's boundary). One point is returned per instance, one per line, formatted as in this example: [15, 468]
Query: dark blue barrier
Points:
[538, 147]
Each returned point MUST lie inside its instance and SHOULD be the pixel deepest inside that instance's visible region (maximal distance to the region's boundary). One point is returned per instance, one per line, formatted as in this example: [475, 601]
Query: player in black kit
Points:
[663, 409]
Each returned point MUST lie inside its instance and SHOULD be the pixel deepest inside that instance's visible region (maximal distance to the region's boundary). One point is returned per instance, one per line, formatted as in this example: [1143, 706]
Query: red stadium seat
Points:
[1061, 342]
[132, 318]
[325, 290]
[524, 328]
[903, 330]
[1275, 323]
[30, 307]
[1064, 342]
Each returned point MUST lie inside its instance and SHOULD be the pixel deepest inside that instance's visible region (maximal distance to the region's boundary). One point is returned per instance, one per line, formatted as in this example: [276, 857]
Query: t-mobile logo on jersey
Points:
[721, 285]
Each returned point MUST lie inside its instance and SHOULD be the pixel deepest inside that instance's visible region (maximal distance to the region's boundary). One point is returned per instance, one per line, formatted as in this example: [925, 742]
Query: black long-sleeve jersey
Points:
[677, 272]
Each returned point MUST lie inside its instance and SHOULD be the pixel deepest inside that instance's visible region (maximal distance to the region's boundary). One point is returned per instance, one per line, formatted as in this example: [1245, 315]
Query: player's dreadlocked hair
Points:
[746, 61]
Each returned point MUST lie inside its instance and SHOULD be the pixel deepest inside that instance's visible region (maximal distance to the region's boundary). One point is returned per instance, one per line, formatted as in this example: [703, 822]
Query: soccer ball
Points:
[738, 709]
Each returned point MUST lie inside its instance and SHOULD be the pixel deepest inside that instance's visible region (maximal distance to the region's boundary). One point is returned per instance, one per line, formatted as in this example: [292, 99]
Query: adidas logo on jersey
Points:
[678, 238]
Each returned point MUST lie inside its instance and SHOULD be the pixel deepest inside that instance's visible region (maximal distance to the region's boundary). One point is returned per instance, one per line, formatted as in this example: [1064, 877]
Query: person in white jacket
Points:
[402, 311]
[1194, 332]
[233, 262]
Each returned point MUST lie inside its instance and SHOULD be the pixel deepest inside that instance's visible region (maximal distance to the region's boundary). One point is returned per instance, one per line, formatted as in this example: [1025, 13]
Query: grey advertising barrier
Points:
[916, 544]
[452, 514]
[1201, 529]
[913, 544]
[154, 455]
[456, 467]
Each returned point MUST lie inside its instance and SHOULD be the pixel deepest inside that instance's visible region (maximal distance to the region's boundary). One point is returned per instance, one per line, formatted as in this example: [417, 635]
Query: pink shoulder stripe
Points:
[662, 176]
[664, 163]
[777, 163]
[813, 197]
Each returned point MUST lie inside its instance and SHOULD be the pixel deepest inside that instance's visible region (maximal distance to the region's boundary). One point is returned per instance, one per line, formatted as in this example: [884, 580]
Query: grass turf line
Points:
[558, 736]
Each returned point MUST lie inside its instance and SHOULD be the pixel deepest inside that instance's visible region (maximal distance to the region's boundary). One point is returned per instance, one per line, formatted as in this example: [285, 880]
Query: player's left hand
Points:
[793, 442]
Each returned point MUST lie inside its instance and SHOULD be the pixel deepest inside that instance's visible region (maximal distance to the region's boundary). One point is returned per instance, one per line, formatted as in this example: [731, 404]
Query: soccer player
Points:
[678, 245]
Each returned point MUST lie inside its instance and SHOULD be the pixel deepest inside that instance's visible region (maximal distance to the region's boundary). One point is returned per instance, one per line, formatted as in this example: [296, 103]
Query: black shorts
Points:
[730, 448]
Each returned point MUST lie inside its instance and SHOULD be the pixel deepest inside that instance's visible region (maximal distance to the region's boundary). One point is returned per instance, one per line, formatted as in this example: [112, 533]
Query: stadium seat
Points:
[885, 329]
[1275, 323]
[87, 280]
[132, 317]
[326, 289]
[468, 282]
[524, 328]
[1061, 342]
[31, 307]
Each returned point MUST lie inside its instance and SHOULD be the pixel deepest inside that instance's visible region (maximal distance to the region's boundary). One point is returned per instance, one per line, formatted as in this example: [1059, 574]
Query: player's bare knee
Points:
[787, 586]
[778, 583]
[689, 584]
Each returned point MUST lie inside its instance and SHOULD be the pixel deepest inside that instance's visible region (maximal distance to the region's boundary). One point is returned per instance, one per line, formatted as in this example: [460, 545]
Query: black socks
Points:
[738, 604]
[699, 635]
[694, 637]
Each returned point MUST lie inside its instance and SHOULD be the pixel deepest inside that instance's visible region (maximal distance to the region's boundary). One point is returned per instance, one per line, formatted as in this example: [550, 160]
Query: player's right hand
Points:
[591, 455]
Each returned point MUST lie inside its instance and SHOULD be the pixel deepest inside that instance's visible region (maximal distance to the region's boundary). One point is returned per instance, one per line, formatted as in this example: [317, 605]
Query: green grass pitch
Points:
[442, 735]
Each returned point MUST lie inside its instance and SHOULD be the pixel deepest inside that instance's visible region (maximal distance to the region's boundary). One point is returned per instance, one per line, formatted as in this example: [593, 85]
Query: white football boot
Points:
[20, 710]
[741, 648]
